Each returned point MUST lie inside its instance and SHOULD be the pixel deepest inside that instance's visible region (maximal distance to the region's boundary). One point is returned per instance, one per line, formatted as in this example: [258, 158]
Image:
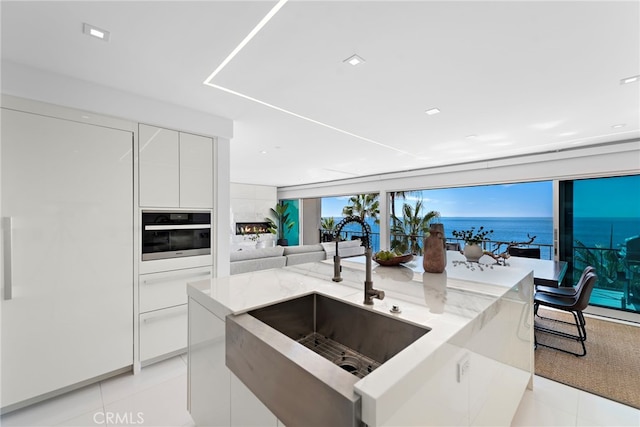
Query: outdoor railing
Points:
[618, 284]
[546, 250]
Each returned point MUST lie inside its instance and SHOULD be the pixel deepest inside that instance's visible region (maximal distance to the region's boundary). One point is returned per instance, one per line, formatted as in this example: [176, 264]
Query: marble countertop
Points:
[447, 303]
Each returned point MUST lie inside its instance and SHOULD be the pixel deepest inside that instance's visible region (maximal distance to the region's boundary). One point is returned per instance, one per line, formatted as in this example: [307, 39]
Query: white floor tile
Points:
[57, 409]
[534, 412]
[556, 395]
[164, 404]
[91, 418]
[603, 412]
[127, 384]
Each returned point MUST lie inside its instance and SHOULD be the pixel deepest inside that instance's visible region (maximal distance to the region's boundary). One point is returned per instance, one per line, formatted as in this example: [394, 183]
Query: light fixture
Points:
[432, 111]
[619, 125]
[96, 32]
[631, 79]
[354, 60]
[471, 136]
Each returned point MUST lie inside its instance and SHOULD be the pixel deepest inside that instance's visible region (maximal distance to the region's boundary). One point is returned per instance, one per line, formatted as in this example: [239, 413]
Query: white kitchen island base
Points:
[472, 368]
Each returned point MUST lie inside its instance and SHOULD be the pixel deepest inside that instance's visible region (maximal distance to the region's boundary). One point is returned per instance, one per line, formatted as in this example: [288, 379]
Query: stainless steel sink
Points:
[302, 357]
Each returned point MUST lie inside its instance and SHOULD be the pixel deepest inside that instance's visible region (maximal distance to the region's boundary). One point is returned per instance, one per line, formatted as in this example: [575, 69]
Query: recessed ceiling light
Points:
[471, 136]
[263, 152]
[630, 79]
[96, 32]
[432, 111]
[618, 126]
[354, 60]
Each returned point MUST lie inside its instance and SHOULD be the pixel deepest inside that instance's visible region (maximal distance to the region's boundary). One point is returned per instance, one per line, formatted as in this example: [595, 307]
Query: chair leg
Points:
[581, 337]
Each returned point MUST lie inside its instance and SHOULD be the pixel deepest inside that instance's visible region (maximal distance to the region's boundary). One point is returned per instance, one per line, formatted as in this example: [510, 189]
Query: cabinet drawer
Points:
[163, 331]
[168, 289]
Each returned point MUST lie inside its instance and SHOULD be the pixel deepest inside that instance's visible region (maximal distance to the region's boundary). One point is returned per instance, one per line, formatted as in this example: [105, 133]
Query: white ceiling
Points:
[523, 77]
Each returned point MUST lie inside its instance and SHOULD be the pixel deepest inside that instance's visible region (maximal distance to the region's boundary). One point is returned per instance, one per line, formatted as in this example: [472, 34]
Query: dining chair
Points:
[567, 291]
[524, 252]
[574, 305]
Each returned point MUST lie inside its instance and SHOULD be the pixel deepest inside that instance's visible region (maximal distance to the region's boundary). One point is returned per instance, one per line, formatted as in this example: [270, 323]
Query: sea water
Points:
[592, 232]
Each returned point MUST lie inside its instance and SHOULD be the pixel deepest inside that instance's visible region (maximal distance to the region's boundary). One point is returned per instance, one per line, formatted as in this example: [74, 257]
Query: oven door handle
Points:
[176, 227]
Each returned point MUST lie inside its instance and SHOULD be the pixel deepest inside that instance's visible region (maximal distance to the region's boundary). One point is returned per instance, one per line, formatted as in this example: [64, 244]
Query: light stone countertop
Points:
[461, 300]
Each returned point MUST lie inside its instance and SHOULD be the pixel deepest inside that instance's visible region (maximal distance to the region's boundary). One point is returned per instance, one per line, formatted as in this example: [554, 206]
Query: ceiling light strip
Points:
[247, 39]
[266, 104]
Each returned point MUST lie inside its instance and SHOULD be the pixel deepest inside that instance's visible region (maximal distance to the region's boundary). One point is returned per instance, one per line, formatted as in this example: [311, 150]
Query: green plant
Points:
[282, 221]
[471, 235]
[328, 224]
[363, 205]
[407, 232]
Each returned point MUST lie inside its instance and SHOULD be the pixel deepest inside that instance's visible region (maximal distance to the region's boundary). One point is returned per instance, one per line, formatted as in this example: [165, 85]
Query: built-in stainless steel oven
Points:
[175, 234]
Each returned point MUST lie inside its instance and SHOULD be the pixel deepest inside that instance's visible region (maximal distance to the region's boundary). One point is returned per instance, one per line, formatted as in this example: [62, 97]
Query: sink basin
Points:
[302, 357]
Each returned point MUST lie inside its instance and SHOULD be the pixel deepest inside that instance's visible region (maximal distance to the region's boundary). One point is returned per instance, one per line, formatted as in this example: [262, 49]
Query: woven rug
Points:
[610, 369]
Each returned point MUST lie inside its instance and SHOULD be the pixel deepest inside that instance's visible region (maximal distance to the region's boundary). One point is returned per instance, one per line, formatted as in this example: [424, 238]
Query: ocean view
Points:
[590, 231]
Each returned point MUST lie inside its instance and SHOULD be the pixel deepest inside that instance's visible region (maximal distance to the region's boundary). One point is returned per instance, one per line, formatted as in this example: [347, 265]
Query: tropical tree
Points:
[363, 205]
[327, 224]
[408, 231]
[282, 221]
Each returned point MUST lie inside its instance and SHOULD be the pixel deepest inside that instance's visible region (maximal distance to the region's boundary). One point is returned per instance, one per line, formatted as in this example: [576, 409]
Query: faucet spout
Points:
[369, 292]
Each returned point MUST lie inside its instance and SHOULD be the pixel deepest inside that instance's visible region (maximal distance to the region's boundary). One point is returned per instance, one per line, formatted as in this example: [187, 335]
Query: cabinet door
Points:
[209, 378]
[159, 171]
[169, 288]
[196, 171]
[163, 331]
[67, 206]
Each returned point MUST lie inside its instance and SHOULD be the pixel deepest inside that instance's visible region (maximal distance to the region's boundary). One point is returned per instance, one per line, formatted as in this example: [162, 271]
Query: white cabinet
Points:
[209, 397]
[176, 169]
[196, 171]
[67, 204]
[162, 306]
[159, 167]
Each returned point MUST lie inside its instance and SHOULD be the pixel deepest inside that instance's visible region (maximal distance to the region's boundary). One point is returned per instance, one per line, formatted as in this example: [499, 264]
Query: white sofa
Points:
[246, 260]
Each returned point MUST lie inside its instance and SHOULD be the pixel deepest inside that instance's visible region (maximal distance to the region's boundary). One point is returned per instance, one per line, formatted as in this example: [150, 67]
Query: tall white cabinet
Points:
[67, 216]
[175, 173]
[176, 169]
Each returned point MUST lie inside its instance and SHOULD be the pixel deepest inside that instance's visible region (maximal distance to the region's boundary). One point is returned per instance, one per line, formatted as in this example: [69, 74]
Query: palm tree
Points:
[327, 224]
[397, 194]
[363, 205]
[407, 232]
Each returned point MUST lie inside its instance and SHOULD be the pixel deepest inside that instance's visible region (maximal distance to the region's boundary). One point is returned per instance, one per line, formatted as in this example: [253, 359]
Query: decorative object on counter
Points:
[390, 259]
[281, 224]
[501, 257]
[472, 242]
[474, 265]
[435, 252]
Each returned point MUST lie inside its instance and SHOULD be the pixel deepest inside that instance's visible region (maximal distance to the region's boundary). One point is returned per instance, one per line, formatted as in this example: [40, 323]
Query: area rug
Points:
[610, 369]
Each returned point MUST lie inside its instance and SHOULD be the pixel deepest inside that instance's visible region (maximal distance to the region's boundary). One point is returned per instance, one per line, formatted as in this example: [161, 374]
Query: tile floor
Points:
[157, 397]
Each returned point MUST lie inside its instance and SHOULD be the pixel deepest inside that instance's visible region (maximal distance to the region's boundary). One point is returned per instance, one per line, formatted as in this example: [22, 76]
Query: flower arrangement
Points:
[471, 235]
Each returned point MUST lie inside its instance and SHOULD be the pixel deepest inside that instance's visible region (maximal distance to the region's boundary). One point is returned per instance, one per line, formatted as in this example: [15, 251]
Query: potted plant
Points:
[472, 242]
[281, 224]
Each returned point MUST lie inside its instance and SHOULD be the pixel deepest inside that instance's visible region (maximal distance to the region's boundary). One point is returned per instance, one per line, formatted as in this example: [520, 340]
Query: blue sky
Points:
[533, 199]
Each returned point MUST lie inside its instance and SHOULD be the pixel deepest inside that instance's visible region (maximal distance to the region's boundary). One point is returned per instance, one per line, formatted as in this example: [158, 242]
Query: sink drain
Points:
[348, 363]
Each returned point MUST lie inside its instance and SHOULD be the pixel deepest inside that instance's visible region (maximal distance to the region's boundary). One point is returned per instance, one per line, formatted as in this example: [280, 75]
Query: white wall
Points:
[249, 203]
[31, 83]
[606, 160]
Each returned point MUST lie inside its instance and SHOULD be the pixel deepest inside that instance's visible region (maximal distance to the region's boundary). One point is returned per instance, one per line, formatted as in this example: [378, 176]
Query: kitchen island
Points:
[471, 368]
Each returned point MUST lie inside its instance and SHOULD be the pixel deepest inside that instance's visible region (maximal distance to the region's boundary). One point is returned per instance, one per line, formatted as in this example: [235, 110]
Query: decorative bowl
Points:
[397, 260]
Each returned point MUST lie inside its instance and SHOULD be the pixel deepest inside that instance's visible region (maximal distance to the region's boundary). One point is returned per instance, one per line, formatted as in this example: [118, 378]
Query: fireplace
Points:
[252, 228]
